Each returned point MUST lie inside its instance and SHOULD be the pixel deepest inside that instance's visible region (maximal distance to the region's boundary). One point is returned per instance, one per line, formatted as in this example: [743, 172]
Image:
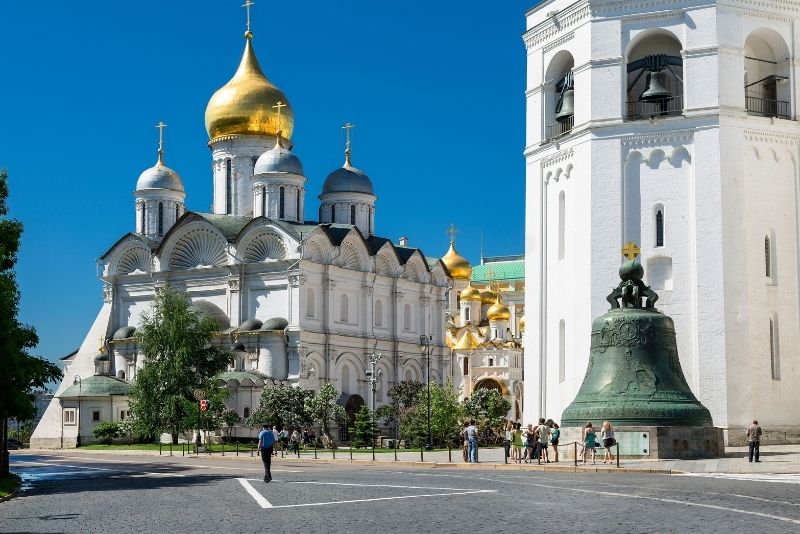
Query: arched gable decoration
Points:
[198, 248]
[387, 262]
[318, 246]
[134, 261]
[416, 268]
[265, 247]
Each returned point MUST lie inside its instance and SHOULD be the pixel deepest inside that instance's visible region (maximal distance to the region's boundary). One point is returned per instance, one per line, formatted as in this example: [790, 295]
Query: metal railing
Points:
[642, 109]
[767, 107]
[557, 129]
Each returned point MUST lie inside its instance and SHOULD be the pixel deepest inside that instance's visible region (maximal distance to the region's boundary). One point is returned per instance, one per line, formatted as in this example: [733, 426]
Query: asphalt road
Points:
[74, 492]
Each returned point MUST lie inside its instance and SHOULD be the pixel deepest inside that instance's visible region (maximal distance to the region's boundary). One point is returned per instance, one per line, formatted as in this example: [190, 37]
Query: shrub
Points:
[107, 431]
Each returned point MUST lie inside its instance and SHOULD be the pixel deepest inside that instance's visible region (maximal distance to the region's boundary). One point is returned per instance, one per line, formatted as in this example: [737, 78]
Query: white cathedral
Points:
[670, 124]
[301, 301]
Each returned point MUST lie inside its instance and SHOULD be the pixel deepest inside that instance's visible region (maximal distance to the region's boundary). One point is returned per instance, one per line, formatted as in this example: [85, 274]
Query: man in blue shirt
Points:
[266, 439]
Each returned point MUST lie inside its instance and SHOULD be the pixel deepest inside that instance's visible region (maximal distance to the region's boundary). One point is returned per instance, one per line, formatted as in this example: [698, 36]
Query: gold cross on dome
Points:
[247, 5]
[452, 232]
[630, 250]
[347, 127]
[160, 127]
[278, 107]
[494, 286]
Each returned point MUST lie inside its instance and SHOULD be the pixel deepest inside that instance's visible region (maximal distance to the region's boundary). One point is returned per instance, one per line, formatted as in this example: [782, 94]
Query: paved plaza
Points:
[79, 491]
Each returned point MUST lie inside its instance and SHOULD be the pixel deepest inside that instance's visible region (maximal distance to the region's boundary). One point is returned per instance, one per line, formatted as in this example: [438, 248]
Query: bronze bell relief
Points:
[657, 87]
[634, 376]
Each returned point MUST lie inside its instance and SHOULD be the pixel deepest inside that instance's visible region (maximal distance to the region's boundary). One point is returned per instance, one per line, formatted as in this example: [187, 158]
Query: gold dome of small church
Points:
[249, 104]
[459, 267]
[498, 311]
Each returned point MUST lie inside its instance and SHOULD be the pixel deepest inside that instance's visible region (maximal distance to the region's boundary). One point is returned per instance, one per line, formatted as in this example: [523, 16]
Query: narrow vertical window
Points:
[343, 303]
[144, 218]
[379, 313]
[767, 257]
[466, 365]
[561, 221]
[264, 201]
[562, 351]
[281, 202]
[297, 205]
[352, 214]
[160, 218]
[369, 221]
[466, 313]
[660, 228]
[333, 213]
[177, 212]
[407, 317]
[228, 187]
[773, 349]
[310, 303]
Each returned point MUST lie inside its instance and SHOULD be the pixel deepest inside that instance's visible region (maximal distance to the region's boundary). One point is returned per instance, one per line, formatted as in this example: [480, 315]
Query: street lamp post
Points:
[373, 382]
[425, 348]
[77, 382]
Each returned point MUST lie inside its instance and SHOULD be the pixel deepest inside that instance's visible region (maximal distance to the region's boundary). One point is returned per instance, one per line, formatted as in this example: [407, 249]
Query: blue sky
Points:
[436, 90]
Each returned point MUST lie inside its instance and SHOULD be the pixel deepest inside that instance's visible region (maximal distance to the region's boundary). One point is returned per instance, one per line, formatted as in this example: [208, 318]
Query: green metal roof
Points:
[97, 386]
[501, 270]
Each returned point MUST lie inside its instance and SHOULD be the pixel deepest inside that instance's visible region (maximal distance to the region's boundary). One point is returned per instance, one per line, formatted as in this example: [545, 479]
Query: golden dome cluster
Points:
[498, 311]
[470, 293]
[459, 267]
[249, 104]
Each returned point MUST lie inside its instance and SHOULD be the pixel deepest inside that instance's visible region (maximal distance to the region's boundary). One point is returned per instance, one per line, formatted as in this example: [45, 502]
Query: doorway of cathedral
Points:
[490, 383]
[352, 403]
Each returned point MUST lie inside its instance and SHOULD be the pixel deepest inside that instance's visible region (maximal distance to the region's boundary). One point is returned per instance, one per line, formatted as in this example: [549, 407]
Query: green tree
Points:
[211, 418]
[403, 396]
[323, 408]
[107, 431]
[22, 373]
[231, 418]
[487, 407]
[281, 405]
[179, 357]
[364, 428]
[446, 414]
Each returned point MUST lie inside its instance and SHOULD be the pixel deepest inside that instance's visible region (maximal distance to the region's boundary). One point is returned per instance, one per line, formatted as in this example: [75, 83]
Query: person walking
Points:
[507, 439]
[754, 440]
[465, 448]
[531, 444]
[517, 443]
[544, 440]
[266, 439]
[554, 436]
[589, 442]
[472, 442]
[607, 435]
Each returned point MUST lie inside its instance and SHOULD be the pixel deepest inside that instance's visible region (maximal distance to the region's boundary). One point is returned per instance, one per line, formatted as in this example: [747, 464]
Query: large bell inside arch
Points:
[634, 376]
[657, 87]
[567, 106]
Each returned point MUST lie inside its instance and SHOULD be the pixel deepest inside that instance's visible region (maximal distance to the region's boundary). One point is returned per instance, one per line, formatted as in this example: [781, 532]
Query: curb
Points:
[13, 493]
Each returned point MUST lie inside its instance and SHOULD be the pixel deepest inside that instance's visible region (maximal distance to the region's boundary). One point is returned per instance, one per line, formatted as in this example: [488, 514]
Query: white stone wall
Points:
[243, 152]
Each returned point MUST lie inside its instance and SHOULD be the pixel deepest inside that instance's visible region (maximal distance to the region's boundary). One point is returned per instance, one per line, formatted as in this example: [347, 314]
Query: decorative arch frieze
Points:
[264, 247]
[135, 260]
[200, 247]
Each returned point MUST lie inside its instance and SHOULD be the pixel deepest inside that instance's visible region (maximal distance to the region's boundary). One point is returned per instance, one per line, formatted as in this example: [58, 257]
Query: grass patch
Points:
[121, 447]
[8, 484]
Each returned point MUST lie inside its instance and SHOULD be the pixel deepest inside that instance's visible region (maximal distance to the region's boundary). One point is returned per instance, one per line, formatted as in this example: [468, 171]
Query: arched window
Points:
[561, 223]
[281, 203]
[562, 351]
[343, 303]
[352, 214]
[333, 213]
[345, 379]
[466, 365]
[228, 187]
[310, 303]
[247, 411]
[369, 221]
[160, 218]
[767, 257]
[378, 313]
[767, 69]
[144, 218]
[297, 206]
[660, 228]
[773, 348]
[177, 211]
[560, 96]
[407, 317]
[654, 76]
[264, 201]
[466, 313]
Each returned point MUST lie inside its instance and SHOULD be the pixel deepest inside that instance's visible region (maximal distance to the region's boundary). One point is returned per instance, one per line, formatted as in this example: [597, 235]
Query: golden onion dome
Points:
[247, 104]
[459, 267]
[522, 324]
[488, 296]
[470, 293]
[498, 311]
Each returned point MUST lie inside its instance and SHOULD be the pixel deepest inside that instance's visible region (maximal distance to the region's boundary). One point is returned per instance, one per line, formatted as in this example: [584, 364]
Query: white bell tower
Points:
[667, 126]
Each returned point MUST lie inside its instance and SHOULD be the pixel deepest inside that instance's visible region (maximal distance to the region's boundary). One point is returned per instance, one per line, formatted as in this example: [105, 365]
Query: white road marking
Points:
[383, 499]
[68, 458]
[627, 496]
[784, 478]
[375, 485]
[262, 502]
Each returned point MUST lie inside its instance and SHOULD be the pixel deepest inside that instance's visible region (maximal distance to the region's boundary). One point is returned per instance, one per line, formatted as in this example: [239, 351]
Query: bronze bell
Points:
[656, 87]
[567, 106]
[634, 377]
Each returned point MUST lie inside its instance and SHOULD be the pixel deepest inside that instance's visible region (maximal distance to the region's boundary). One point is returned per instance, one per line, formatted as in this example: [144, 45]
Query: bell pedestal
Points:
[650, 442]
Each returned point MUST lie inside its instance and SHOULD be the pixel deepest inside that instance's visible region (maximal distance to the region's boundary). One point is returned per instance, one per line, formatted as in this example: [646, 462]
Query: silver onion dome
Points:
[348, 179]
[159, 177]
[278, 159]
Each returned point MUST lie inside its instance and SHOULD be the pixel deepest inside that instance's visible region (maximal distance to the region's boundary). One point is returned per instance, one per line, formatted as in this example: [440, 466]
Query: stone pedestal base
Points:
[654, 442]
